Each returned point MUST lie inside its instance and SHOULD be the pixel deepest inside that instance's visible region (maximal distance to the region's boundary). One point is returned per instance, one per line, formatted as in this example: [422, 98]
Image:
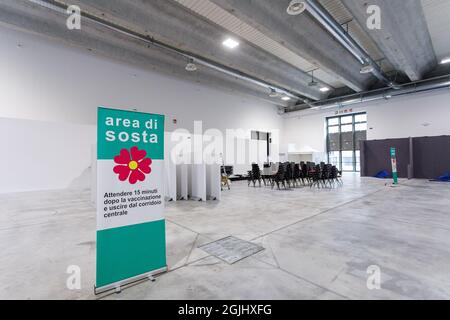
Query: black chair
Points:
[336, 175]
[279, 177]
[315, 176]
[254, 175]
[326, 175]
[297, 175]
[267, 177]
[304, 170]
[288, 174]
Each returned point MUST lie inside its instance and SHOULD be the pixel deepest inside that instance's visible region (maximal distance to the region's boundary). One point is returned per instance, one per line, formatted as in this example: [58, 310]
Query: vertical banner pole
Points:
[394, 165]
[131, 241]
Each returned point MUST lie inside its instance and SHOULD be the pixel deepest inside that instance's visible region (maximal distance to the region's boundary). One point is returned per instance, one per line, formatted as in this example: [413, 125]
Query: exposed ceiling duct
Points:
[192, 59]
[326, 20]
[379, 94]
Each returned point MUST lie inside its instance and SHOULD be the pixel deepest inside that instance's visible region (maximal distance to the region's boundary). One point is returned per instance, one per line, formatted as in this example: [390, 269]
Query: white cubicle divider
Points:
[170, 180]
[197, 182]
[213, 191]
[182, 182]
[170, 173]
[94, 174]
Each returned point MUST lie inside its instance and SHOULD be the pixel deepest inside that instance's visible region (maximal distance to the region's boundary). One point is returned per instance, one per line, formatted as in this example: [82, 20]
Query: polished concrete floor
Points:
[318, 244]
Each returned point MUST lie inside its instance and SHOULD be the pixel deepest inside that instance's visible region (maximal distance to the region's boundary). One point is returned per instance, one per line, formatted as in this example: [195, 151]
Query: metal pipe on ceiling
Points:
[325, 19]
[60, 7]
[379, 94]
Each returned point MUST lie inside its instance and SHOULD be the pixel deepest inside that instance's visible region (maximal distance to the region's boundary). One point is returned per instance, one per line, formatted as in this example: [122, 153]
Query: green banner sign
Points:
[130, 197]
[394, 165]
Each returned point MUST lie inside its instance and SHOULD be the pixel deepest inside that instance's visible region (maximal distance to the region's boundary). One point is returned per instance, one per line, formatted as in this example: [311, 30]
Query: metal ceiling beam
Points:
[325, 18]
[403, 38]
[302, 35]
[174, 25]
[438, 83]
[23, 15]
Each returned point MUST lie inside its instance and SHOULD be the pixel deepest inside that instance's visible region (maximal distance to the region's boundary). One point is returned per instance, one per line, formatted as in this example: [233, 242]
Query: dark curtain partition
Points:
[377, 156]
[429, 157]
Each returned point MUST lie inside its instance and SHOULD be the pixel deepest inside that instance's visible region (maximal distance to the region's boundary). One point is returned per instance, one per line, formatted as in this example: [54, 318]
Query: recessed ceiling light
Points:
[230, 43]
[296, 7]
[324, 89]
[445, 60]
[367, 68]
[285, 98]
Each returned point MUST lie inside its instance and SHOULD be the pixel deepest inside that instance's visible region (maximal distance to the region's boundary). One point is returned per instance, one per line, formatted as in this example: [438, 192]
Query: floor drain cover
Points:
[231, 249]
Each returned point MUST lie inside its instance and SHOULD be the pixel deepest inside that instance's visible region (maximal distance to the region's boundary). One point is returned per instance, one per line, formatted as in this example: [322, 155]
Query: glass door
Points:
[343, 136]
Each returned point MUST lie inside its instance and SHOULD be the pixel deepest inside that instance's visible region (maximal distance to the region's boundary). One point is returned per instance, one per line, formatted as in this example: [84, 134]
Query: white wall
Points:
[59, 89]
[426, 114]
[63, 86]
[41, 155]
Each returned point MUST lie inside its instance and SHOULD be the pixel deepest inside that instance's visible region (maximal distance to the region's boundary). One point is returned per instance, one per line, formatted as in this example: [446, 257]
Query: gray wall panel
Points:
[377, 156]
[431, 156]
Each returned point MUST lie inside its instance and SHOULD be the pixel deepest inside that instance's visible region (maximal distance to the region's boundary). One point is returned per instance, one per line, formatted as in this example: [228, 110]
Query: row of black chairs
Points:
[291, 175]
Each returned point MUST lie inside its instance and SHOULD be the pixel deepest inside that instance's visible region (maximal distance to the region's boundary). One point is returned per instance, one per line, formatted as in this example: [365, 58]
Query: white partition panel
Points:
[182, 182]
[94, 174]
[213, 191]
[197, 182]
[170, 180]
[170, 174]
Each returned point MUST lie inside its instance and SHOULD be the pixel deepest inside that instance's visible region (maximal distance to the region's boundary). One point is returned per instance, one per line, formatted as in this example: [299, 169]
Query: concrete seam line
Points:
[192, 249]
[315, 215]
[306, 280]
[187, 228]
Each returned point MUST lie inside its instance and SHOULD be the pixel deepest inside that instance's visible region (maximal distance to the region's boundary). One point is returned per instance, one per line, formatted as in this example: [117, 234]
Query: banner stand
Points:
[131, 229]
[119, 284]
[394, 165]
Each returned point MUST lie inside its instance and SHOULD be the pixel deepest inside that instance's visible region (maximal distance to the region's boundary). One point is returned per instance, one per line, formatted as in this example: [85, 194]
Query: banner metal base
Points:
[119, 284]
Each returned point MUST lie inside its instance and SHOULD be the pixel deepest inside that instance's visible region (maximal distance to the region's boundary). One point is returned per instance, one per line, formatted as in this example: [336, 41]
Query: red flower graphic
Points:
[132, 165]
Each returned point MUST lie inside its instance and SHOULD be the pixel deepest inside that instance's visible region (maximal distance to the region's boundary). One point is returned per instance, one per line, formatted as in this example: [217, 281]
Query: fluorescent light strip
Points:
[445, 60]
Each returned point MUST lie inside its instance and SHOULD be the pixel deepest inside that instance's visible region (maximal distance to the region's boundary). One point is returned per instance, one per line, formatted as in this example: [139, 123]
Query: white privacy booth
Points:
[213, 187]
[182, 182]
[197, 182]
[190, 177]
[170, 170]
[94, 174]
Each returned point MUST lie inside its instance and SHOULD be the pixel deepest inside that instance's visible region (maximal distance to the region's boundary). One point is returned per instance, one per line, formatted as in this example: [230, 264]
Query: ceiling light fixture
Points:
[445, 60]
[313, 83]
[324, 89]
[367, 68]
[285, 98]
[191, 66]
[273, 93]
[296, 7]
[230, 43]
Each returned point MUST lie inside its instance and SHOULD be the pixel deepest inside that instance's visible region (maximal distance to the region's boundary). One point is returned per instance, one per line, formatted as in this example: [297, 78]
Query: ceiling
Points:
[276, 50]
[437, 15]
[217, 15]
